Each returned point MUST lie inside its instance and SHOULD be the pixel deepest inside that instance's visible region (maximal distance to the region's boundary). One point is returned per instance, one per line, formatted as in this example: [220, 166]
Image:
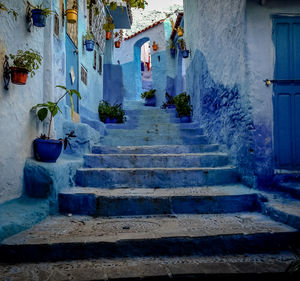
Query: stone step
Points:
[154, 149]
[153, 140]
[258, 267]
[155, 177]
[77, 237]
[149, 201]
[155, 160]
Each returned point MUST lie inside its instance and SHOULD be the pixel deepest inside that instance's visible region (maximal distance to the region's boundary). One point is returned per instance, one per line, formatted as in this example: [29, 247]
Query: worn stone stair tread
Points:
[209, 191]
[154, 148]
[83, 229]
[133, 268]
[184, 154]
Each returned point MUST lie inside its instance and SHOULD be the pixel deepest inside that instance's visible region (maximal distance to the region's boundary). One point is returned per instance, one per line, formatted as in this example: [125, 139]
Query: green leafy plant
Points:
[119, 36]
[183, 106]
[182, 44]
[53, 108]
[29, 59]
[9, 11]
[75, 5]
[111, 111]
[171, 44]
[109, 24]
[140, 4]
[148, 94]
[169, 101]
[91, 5]
[89, 36]
[45, 11]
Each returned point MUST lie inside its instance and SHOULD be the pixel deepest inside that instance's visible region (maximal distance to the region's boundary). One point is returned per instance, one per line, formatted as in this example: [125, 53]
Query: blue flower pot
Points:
[150, 101]
[185, 119]
[185, 53]
[38, 18]
[171, 106]
[173, 52]
[109, 120]
[89, 45]
[47, 150]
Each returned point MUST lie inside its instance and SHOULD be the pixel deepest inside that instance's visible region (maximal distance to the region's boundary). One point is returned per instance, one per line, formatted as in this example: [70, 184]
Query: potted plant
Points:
[39, 15]
[179, 31]
[89, 41]
[108, 26]
[172, 47]
[46, 149]
[182, 45]
[154, 46]
[149, 97]
[183, 107]
[111, 113]
[169, 102]
[72, 13]
[119, 37]
[24, 62]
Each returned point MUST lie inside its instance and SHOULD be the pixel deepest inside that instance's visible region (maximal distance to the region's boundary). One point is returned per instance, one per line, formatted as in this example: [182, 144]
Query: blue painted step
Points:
[155, 160]
[147, 201]
[155, 177]
[147, 149]
[74, 238]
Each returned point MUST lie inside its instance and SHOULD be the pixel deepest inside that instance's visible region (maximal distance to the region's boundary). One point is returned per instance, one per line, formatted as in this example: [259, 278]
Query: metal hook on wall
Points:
[28, 17]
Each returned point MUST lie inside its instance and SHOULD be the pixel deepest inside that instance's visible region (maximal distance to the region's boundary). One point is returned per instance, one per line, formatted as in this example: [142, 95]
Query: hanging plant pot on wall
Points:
[117, 44]
[19, 75]
[108, 35]
[185, 53]
[71, 15]
[173, 52]
[180, 31]
[154, 46]
[38, 18]
[89, 45]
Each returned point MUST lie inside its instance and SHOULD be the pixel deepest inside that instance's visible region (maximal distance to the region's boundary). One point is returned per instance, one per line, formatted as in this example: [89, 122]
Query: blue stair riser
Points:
[98, 149]
[164, 246]
[154, 177]
[140, 161]
[92, 205]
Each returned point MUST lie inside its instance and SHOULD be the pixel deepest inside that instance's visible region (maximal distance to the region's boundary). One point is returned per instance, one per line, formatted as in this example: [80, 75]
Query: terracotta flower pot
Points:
[117, 44]
[108, 35]
[154, 47]
[19, 75]
[71, 15]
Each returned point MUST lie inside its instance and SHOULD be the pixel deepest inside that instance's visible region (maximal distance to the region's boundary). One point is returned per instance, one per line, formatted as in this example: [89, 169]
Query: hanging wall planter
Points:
[179, 31]
[185, 53]
[154, 46]
[108, 35]
[173, 52]
[19, 75]
[117, 44]
[89, 45]
[71, 15]
[38, 18]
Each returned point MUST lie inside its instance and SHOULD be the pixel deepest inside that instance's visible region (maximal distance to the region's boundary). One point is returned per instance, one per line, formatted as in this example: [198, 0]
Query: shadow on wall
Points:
[224, 115]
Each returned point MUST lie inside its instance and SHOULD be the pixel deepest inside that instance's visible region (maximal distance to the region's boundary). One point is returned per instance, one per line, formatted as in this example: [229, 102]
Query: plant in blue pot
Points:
[184, 51]
[111, 113]
[45, 148]
[39, 15]
[149, 96]
[172, 48]
[183, 107]
[89, 41]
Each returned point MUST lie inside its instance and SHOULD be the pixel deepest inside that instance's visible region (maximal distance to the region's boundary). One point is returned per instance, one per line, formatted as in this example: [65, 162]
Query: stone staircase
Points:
[153, 189]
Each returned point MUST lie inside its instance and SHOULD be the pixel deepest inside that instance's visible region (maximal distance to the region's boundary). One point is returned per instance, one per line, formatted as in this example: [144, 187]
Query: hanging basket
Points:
[185, 53]
[117, 44]
[89, 45]
[71, 15]
[108, 35]
[38, 19]
[18, 75]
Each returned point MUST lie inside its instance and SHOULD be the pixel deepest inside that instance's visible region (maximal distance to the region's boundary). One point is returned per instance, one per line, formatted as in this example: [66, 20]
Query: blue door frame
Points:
[286, 35]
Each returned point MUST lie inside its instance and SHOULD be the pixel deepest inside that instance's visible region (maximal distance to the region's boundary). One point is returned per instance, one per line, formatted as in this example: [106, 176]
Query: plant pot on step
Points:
[71, 15]
[150, 101]
[185, 119]
[117, 44]
[89, 45]
[38, 18]
[111, 120]
[18, 75]
[108, 35]
[47, 150]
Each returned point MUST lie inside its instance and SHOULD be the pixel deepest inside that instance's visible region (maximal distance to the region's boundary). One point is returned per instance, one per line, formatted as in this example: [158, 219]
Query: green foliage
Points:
[111, 111]
[75, 5]
[149, 94]
[140, 4]
[119, 35]
[45, 11]
[169, 101]
[182, 44]
[28, 59]
[182, 103]
[171, 44]
[109, 24]
[9, 11]
[91, 5]
[52, 107]
[89, 36]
